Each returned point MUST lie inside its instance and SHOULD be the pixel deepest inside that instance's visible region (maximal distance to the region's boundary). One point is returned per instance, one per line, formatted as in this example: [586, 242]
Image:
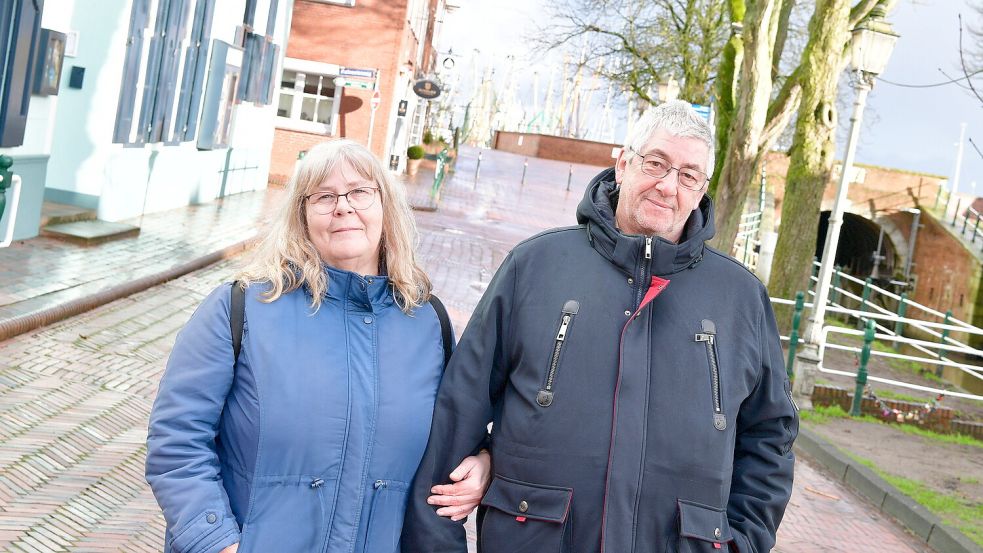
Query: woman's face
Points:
[347, 238]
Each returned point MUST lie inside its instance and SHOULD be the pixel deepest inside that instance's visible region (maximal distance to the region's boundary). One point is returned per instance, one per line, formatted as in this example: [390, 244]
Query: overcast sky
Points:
[908, 128]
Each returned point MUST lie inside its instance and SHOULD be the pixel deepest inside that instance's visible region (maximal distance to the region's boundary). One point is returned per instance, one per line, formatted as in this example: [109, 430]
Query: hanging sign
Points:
[426, 89]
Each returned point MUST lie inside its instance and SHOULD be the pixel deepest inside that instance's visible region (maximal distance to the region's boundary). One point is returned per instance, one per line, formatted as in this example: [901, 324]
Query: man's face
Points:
[658, 206]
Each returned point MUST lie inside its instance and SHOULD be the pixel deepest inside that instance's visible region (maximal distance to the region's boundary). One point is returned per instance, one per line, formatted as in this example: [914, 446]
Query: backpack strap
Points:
[446, 334]
[237, 316]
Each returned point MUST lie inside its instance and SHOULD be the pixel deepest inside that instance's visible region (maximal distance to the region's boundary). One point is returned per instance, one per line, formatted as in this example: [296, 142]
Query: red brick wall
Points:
[287, 144]
[556, 147]
[372, 34]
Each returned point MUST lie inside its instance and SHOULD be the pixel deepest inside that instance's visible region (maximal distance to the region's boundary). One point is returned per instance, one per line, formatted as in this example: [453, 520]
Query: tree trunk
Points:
[753, 95]
[812, 154]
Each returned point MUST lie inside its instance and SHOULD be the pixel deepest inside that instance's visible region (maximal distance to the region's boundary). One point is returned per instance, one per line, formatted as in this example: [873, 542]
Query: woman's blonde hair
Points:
[287, 259]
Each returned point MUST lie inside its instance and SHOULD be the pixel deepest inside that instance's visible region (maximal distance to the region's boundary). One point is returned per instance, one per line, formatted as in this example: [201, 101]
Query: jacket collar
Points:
[596, 210]
[368, 293]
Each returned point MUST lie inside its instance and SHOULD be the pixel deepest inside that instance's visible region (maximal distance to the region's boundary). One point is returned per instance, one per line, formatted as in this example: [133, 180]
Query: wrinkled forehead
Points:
[341, 173]
[681, 150]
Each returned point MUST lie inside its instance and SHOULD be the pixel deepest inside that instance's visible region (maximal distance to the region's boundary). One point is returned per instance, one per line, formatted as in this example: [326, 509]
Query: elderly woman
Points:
[307, 436]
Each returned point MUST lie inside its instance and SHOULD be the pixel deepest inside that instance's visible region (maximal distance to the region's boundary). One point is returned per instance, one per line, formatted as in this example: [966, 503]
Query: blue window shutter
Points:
[139, 19]
[20, 30]
[201, 39]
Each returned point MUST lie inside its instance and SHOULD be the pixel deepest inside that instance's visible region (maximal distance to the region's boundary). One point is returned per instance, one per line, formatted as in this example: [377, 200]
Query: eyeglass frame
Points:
[706, 178]
[374, 189]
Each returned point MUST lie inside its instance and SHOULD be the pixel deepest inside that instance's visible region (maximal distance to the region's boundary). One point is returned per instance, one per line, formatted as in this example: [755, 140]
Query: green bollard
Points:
[899, 325]
[945, 334]
[793, 339]
[438, 176]
[864, 298]
[858, 393]
[6, 180]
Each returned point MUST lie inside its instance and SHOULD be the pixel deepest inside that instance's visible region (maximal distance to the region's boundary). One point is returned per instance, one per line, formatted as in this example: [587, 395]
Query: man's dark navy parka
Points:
[638, 395]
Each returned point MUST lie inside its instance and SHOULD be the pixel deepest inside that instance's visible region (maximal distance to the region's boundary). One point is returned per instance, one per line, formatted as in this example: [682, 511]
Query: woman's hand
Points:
[230, 549]
[471, 479]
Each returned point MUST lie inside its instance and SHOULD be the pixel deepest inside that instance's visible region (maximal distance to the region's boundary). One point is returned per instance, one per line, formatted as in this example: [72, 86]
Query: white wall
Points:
[155, 177]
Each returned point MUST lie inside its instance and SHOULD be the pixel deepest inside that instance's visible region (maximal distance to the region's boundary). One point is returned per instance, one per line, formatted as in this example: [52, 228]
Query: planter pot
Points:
[412, 166]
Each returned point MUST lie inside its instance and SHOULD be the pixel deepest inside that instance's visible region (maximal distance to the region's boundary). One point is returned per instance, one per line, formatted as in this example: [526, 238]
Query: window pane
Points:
[327, 88]
[288, 79]
[307, 109]
[310, 84]
[324, 111]
[283, 109]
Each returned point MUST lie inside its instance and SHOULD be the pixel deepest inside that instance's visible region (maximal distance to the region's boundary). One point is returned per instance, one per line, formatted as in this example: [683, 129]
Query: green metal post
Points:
[858, 392]
[965, 222]
[6, 180]
[438, 176]
[864, 298]
[945, 334]
[938, 196]
[955, 214]
[793, 339]
[899, 325]
[834, 294]
[976, 229]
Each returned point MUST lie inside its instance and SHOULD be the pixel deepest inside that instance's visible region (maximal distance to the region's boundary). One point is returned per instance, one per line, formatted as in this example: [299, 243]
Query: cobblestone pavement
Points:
[74, 396]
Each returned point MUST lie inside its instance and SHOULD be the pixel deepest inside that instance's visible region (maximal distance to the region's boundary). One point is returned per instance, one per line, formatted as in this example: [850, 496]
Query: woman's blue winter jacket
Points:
[308, 443]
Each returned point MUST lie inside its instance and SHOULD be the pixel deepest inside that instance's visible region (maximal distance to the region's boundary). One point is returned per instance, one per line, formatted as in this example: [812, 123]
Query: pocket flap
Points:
[703, 522]
[534, 501]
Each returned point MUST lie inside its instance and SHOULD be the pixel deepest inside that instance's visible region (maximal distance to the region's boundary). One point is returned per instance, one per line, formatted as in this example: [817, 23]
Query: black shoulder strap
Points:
[237, 316]
[446, 334]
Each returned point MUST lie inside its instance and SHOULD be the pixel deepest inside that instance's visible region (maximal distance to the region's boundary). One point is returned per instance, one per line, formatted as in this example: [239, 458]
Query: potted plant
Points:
[414, 156]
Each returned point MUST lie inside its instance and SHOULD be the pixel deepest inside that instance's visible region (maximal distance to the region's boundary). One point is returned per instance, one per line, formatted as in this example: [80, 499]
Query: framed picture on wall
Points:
[51, 54]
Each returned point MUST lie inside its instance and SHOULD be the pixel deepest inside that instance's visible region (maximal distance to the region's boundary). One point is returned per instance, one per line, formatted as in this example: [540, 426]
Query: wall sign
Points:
[426, 89]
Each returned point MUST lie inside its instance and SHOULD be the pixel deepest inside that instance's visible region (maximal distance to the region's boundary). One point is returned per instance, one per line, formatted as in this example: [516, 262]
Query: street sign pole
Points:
[374, 105]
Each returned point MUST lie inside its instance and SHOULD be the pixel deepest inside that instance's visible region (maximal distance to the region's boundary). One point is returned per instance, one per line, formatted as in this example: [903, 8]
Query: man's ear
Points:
[619, 166]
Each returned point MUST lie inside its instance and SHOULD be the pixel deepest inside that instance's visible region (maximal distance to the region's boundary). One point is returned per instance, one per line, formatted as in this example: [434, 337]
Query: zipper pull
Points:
[701, 337]
[544, 398]
[379, 484]
[317, 483]
[648, 247]
[562, 334]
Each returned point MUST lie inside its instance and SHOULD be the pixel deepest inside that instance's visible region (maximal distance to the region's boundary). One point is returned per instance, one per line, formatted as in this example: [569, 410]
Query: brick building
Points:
[340, 52]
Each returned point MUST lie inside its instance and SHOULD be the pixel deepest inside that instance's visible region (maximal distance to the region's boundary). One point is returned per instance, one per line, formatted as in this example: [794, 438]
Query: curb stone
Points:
[27, 322]
[888, 499]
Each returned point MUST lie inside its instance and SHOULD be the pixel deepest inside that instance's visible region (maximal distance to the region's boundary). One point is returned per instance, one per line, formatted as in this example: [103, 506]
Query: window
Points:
[307, 100]
[348, 3]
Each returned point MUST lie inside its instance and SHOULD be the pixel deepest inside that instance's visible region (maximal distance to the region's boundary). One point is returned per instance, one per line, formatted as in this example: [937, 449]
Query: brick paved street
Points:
[74, 396]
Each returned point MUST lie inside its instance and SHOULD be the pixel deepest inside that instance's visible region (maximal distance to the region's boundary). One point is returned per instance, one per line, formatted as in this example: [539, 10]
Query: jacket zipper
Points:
[545, 396]
[709, 337]
[317, 484]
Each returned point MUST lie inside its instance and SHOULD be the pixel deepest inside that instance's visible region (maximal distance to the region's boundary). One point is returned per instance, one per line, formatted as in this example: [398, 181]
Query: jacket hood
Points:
[596, 210]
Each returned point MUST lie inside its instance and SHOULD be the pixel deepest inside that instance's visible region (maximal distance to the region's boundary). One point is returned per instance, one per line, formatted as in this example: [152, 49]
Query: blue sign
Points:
[704, 111]
[356, 72]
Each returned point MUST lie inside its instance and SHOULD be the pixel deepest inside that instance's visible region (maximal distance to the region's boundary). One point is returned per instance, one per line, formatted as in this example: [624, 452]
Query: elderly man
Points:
[633, 374]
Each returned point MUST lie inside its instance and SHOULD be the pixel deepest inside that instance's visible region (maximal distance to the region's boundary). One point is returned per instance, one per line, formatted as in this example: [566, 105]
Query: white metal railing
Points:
[934, 351]
[747, 242]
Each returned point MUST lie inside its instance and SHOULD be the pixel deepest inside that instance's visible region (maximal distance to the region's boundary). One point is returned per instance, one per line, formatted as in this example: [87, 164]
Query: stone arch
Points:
[858, 242]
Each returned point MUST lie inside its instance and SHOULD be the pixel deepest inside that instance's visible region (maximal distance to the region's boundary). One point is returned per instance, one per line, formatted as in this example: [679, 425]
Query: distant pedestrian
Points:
[306, 439]
[634, 377]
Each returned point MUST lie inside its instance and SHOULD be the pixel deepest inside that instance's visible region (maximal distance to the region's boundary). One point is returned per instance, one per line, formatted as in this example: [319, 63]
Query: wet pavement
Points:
[75, 395]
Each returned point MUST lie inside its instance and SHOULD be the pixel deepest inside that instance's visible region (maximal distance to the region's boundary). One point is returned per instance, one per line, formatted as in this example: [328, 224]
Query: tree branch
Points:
[860, 10]
[962, 61]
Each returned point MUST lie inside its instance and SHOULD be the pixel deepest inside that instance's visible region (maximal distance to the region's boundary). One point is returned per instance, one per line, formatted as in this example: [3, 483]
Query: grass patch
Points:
[821, 414]
[889, 394]
[956, 511]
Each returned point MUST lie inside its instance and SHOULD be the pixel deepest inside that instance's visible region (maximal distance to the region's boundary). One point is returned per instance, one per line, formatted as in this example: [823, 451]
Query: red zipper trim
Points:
[656, 287]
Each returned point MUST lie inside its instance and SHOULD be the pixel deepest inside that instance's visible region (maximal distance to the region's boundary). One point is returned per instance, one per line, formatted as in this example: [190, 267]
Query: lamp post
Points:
[870, 49]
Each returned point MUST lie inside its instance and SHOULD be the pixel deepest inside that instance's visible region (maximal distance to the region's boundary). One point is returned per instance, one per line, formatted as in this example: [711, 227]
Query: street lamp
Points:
[870, 49]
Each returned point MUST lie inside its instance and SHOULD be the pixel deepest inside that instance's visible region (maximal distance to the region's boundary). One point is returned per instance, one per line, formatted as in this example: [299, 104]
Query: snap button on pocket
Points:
[368, 320]
[717, 533]
[211, 518]
[523, 506]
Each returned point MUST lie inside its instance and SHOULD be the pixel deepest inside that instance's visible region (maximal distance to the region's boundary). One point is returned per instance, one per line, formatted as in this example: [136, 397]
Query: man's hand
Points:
[471, 479]
[230, 549]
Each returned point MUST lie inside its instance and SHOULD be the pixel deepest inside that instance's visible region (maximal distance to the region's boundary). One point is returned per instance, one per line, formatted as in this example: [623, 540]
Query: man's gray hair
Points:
[676, 117]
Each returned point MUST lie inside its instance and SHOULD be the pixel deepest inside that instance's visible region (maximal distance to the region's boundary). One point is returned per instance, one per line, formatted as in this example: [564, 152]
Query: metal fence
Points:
[889, 326]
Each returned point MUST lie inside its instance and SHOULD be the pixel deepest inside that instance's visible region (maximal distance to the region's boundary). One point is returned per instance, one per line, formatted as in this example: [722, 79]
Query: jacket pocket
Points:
[702, 529]
[526, 518]
[288, 514]
[545, 395]
[709, 338]
[385, 517]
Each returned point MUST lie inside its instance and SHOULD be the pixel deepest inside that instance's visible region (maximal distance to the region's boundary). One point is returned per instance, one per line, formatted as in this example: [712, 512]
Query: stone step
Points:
[90, 232]
[58, 214]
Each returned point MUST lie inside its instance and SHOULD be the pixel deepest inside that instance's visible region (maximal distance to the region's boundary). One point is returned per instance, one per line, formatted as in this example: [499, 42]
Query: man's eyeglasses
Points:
[325, 202]
[655, 166]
